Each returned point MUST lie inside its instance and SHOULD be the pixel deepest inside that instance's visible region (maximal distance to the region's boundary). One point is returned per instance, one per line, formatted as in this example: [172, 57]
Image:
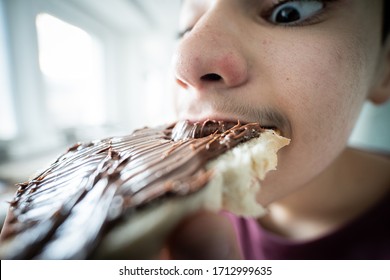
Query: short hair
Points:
[386, 21]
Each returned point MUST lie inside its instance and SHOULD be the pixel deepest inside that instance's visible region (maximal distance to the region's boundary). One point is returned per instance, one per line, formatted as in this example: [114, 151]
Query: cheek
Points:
[319, 88]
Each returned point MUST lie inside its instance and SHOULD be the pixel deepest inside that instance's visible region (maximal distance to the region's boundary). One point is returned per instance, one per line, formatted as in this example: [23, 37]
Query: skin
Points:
[310, 81]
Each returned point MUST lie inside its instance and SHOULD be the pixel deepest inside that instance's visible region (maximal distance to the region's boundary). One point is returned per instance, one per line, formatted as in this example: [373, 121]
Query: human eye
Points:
[294, 12]
[191, 11]
[182, 33]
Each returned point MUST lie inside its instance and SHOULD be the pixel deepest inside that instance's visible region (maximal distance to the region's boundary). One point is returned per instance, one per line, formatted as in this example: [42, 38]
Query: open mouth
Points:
[199, 129]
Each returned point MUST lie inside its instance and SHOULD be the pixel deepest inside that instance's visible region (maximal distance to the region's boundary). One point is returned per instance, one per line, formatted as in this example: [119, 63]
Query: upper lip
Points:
[274, 124]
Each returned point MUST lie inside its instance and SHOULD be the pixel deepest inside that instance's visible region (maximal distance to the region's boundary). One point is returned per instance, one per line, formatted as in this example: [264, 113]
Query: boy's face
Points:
[305, 67]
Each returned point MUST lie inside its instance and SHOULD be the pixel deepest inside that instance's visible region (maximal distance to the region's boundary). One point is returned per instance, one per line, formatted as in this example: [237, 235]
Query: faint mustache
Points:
[265, 115]
[228, 106]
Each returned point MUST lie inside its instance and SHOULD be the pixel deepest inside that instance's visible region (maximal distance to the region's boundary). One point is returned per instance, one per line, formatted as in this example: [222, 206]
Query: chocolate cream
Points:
[64, 212]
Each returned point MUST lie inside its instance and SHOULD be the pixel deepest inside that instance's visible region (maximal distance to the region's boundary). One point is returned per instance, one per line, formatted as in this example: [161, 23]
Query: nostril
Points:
[181, 83]
[211, 77]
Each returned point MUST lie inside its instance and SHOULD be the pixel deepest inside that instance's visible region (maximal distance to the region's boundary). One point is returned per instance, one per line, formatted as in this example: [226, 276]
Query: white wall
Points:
[7, 127]
[138, 46]
[373, 128]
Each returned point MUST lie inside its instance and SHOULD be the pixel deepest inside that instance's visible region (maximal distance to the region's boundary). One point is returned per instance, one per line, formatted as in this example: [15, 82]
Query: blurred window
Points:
[7, 116]
[72, 64]
[8, 127]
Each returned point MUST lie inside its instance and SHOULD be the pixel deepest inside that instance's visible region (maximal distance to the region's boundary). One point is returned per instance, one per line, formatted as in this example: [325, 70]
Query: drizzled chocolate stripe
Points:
[65, 211]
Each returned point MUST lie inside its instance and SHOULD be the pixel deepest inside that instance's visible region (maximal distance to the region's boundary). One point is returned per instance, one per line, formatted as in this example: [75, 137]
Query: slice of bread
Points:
[235, 180]
[120, 197]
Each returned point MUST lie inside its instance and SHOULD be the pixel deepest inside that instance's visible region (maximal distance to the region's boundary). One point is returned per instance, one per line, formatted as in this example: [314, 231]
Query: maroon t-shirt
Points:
[366, 237]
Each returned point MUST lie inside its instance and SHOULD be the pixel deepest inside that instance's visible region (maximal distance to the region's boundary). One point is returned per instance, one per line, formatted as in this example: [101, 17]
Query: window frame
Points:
[35, 133]
[5, 66]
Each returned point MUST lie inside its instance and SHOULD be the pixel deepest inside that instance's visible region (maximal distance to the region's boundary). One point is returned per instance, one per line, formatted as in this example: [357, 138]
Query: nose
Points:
[210, 56]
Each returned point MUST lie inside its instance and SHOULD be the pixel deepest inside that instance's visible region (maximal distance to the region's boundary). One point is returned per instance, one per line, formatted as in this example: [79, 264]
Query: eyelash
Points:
[180, 34]
[313, 19]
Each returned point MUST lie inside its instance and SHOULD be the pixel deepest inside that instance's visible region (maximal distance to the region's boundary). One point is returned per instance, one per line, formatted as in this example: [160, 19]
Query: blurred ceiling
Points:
[134, 15]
